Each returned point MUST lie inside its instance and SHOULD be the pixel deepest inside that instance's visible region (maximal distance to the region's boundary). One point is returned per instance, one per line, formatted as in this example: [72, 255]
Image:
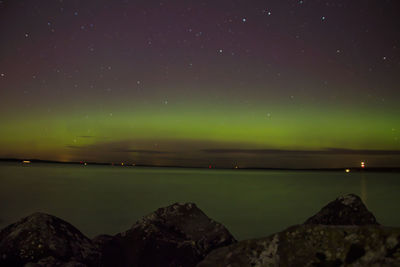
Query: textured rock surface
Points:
[111, 249]
[44, 240]
[177, 235]
[345, 210]
[51, 261]
[343, 233]
[314, 245]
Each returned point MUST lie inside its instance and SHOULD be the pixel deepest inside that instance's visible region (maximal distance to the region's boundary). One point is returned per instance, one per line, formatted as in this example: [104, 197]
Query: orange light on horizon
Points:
[347, 170]
[362, 164]
[26, 161]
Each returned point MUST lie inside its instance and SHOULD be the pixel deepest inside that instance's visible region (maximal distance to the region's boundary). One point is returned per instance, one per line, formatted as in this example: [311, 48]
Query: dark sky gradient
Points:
[249, 83]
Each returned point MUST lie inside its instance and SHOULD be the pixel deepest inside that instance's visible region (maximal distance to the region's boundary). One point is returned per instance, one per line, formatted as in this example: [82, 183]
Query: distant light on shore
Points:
[347, 170]
[26, 161]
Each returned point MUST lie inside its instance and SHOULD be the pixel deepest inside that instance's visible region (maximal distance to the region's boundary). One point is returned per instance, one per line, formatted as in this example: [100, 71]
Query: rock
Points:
[177, 235]
[44, 240]
[345, 210]
[111, 249]
[51, 261]
[314, 245]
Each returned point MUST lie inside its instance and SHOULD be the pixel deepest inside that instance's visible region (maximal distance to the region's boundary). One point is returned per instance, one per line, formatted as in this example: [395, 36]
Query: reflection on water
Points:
[106, 199]
[364, 196]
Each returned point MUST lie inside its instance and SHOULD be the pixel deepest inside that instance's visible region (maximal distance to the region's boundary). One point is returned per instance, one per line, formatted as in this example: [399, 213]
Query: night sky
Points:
[303, 83]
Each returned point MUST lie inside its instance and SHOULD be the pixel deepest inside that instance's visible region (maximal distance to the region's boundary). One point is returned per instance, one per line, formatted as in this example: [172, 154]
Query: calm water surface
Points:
[106, 199]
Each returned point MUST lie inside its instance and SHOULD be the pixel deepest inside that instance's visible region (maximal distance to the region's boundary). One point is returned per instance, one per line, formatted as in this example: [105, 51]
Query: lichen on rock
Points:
[343, 233]
[313, 245]
[345, 210]
[41, 236]
[177, 235]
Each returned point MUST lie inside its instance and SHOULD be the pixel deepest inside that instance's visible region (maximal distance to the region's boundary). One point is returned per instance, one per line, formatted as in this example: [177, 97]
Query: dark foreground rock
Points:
[177, 235]
[44, 240]
[343, 233]
[345, 210]
[111, 249]
[314, 245]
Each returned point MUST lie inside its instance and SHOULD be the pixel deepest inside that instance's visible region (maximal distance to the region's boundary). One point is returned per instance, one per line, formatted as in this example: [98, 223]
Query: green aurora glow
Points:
[86, 83]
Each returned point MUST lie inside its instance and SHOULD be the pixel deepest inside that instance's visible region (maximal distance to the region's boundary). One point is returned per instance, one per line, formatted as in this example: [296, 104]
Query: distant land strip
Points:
[357, 169]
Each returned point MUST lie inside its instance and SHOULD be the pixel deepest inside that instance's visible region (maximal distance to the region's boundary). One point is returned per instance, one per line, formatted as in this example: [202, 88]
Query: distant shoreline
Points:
[353, 169]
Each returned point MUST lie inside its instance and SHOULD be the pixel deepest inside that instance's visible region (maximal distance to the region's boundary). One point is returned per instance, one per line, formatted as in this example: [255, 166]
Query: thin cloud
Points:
[74, 147]
[363, 151]
[143, 151]
[326, 151]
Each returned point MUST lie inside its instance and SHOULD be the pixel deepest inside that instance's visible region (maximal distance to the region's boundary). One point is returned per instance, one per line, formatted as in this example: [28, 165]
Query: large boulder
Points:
[111, 249]
[44, 240]
[345, 210]
[314, 245]
[177, 235]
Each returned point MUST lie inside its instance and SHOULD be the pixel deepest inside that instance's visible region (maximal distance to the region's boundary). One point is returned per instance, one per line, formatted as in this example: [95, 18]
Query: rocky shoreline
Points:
[343, 233]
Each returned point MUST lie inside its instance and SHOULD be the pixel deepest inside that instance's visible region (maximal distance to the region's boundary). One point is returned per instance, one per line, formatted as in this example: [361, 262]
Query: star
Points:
[244, 19]
[267, 12]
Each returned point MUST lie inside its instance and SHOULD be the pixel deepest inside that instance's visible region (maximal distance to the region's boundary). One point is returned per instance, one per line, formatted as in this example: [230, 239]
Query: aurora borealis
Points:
[195, 83]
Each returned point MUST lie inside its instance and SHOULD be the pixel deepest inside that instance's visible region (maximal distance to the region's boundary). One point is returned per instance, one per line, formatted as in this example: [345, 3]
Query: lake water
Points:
[107, 199]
